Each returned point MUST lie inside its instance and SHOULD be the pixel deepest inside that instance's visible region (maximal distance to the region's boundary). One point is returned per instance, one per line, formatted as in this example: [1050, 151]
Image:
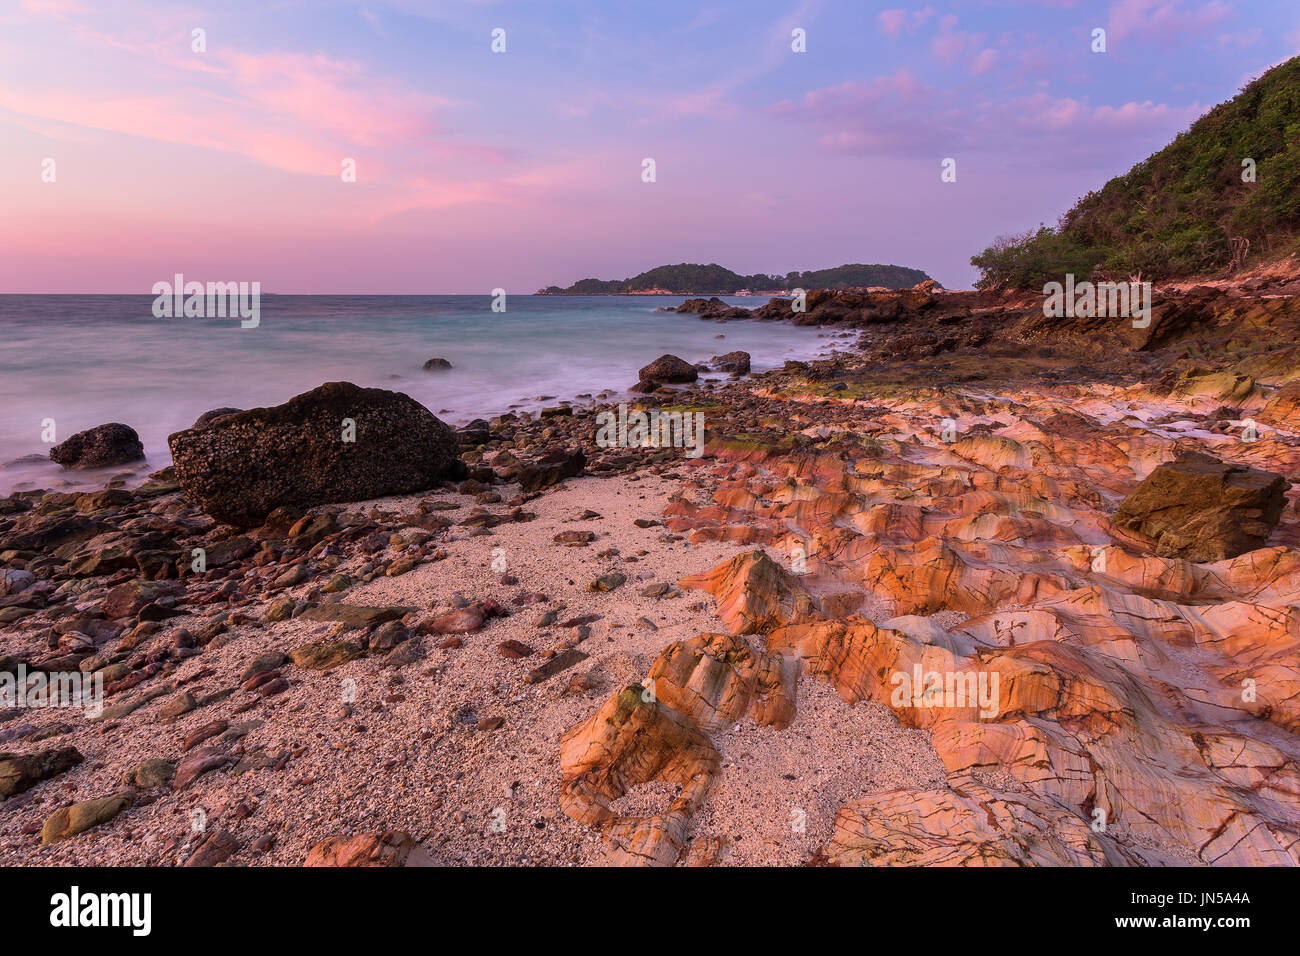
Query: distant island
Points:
[694, 279]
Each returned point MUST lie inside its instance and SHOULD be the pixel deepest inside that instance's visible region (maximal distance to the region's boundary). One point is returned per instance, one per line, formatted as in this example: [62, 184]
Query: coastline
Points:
[833, 533]
[482, 384]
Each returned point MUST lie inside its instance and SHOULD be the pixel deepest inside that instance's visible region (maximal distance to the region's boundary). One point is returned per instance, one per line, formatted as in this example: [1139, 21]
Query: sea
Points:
[71, 362]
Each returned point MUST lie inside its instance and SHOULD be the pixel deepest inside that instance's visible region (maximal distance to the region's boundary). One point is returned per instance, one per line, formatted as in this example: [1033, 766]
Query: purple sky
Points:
[478, 170]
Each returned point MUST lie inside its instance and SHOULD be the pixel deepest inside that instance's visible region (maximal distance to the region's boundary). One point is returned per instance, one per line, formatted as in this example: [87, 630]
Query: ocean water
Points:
[83, 360]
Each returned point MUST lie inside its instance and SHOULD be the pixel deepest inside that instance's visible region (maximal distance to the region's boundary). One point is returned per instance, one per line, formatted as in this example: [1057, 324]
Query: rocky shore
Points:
[395, 643]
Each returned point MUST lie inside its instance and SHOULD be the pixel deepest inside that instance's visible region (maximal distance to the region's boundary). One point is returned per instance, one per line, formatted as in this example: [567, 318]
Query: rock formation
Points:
[335, 443]
[99, 447]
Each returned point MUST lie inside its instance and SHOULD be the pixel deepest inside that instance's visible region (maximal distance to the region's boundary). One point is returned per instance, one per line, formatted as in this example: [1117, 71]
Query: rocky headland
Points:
[509, 643]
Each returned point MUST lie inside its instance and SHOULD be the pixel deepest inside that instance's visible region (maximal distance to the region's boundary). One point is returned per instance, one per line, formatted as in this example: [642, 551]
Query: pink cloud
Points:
[949, 46]
[1164, 19]
[848, 97]
[302, 113]
[891, 22]
[984, 61]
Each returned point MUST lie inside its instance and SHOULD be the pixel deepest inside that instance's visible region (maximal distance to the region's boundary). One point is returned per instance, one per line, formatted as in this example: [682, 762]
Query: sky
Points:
[130, 151]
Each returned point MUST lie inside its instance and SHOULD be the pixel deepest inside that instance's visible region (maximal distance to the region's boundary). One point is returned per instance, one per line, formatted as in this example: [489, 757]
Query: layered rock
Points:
[634, 739]
[391, 848]
[967, 824]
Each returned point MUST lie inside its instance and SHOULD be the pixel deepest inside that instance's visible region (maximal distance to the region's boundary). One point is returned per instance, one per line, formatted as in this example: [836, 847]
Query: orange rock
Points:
[634, 739]
[967, 825]
[390, 848]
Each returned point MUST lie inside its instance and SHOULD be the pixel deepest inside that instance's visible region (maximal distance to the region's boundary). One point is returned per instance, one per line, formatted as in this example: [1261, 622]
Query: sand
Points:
[407, 753]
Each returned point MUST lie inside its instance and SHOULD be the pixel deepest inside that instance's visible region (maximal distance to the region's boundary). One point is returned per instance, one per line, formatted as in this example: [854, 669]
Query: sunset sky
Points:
[479, 170]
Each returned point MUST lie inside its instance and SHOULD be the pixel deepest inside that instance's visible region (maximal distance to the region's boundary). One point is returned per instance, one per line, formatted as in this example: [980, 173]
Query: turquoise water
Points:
[84, 360]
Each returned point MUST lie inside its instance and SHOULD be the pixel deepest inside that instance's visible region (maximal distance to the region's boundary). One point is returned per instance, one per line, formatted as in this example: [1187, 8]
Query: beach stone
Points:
[436, 365]
[402, 565]
[182, 703]
[198, 763]
[131, 597]
[272, 687]
[552, 468]
[263, 663]
[560, 662]
[281, 609]
[337, 584]
[387, 636]
[206, 732]
[354, 615]
[231, 549]
[670, 369]
[240, 468]
[407, 652]
[99, 500]
[99, 447]
[324, 656]
[1201, 509]
[310, 530]
[215, 849]
[149, 773]
[294, 576]
[22, 772]
[79, 817]
[607, 582]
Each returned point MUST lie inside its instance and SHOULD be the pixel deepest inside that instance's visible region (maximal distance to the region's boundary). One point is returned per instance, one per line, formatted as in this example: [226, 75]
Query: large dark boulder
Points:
[241, 467]
[1202, 509]
[669, 368]
[99, 447]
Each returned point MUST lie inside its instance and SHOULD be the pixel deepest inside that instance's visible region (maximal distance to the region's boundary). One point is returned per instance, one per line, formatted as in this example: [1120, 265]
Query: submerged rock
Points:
[99, 447]
[337, 442]
[737, 363]
[669, 368]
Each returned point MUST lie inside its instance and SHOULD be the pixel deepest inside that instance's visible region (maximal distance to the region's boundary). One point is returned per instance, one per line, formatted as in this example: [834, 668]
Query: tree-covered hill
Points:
[1225, 192]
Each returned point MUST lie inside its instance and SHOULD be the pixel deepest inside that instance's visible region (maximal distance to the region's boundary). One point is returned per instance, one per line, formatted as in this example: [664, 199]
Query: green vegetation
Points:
[689, 278]
[1182, 211]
